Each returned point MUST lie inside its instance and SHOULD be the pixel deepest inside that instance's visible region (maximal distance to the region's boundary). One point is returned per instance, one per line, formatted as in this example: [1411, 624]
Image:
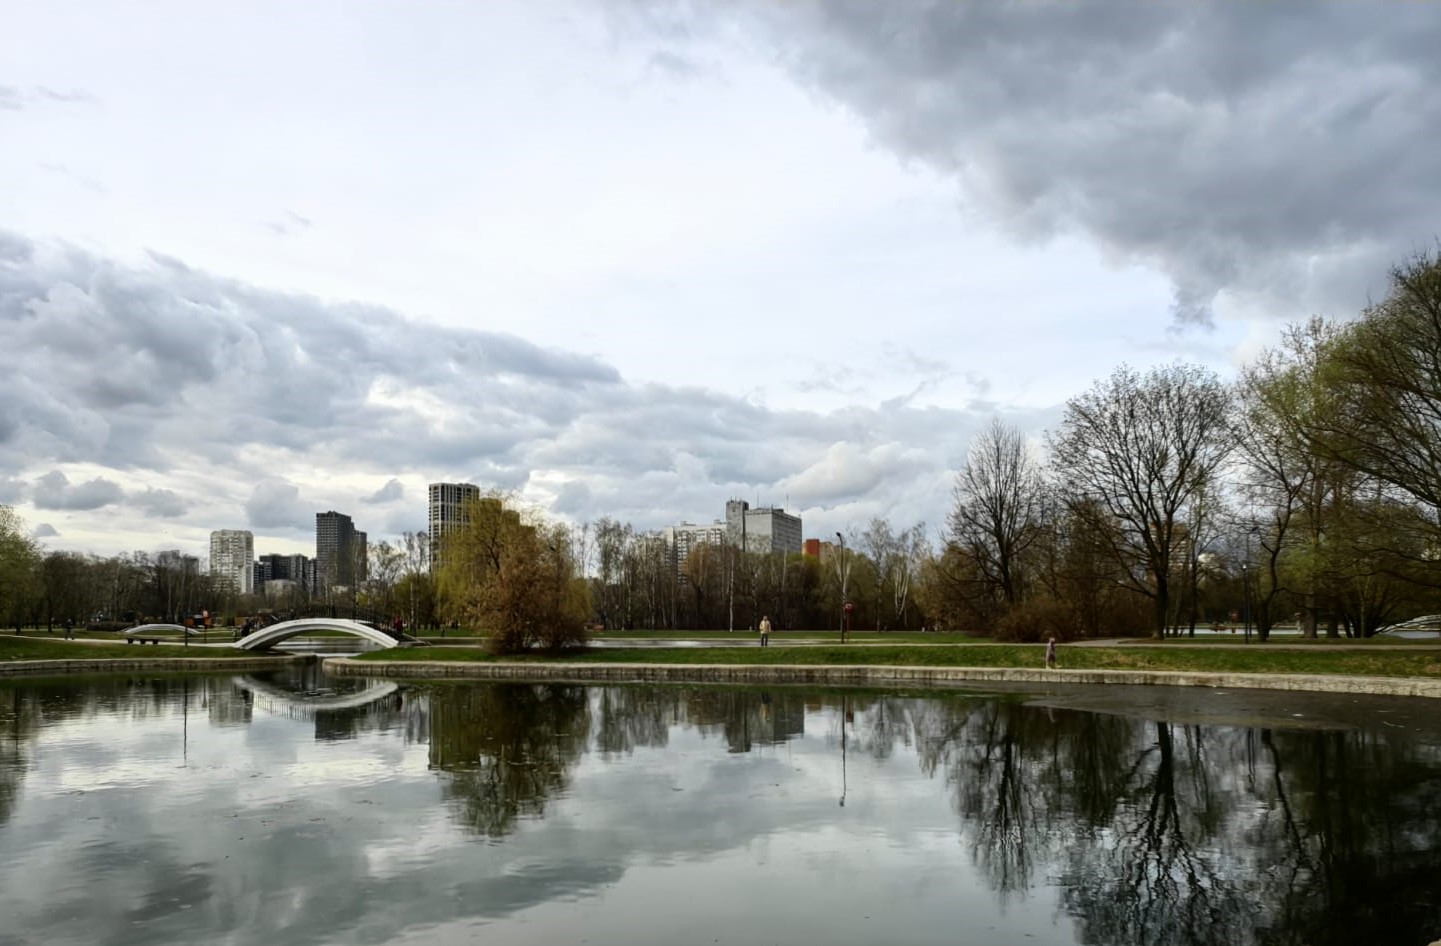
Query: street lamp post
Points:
[843, 570]
[1246, 598]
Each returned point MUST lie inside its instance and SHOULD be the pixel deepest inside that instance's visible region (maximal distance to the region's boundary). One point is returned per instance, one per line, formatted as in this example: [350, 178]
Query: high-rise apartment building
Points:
[340, 551]
[685, 538]
[232, 552]
[296, 568]
[448, 503]
[763, 530]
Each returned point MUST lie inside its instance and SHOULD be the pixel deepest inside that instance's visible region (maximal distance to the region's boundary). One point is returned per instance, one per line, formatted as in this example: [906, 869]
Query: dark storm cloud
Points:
[389, 493]
[161, 368]
[55, 491]
[1283, 152]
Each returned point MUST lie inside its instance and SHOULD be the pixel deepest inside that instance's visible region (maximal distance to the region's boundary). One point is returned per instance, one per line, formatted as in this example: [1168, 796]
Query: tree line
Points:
[1308, 489]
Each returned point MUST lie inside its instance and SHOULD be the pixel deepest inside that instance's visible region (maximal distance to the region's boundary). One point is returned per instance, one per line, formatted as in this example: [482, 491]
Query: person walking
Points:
[1051, 654]
[765, 631]
[69, 629]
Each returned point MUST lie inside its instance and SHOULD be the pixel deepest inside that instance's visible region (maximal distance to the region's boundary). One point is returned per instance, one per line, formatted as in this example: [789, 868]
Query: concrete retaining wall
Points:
[873, 676]
[55, 668]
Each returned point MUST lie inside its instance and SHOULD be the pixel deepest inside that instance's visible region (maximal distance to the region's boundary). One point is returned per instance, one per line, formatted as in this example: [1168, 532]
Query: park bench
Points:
[144, 639]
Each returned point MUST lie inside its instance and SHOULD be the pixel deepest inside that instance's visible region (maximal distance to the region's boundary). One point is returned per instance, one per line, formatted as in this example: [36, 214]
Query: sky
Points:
[633, 259]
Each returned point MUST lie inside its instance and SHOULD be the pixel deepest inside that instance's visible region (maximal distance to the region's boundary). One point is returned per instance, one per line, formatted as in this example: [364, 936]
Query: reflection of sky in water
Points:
[135, 820]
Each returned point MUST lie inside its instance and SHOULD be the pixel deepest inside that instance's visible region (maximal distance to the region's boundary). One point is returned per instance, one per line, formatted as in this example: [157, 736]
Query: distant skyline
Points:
[633, 259]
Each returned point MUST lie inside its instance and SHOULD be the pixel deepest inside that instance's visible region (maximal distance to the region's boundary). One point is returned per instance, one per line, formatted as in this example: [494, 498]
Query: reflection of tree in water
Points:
[998, 758]
[20, 720]
[627, 717]
[1358, 822]
[508, 748]
[1156, 870]
[745, 718]
[1161, 833]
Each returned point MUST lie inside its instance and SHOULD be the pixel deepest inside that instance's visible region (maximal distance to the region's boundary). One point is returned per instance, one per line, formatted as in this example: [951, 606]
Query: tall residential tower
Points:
[447, 510]
[340, 551]
[232, 554]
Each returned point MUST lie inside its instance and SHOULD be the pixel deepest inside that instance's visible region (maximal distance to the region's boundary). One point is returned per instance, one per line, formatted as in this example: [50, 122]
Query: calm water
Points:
[290, 808]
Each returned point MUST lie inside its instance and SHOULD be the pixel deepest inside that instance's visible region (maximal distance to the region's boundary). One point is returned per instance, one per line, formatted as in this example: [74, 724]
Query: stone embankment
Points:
[874, 676]
[55, 668]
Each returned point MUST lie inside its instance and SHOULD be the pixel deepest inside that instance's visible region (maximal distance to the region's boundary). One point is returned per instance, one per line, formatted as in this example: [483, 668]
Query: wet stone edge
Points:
[875, 675]
[31, 668]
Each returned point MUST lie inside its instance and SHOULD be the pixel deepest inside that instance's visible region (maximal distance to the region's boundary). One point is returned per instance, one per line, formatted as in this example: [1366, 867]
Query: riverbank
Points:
[29, 656]
[873, 676]
[1412, 671]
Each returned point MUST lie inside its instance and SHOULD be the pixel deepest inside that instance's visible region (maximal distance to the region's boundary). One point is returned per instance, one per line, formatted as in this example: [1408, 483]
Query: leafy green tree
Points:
[513, 571]
[19, 568]
[1385, 374]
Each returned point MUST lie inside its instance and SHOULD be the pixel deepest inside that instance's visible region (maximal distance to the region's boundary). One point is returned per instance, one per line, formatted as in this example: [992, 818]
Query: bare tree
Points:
[1138, 451]
[999, 496]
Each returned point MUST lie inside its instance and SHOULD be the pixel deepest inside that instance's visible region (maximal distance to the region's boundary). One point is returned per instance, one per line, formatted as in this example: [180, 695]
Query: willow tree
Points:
[512, 571]
[1134, 453]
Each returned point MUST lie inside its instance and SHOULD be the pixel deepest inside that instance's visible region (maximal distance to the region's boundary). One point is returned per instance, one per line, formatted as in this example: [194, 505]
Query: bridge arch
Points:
[268, 637]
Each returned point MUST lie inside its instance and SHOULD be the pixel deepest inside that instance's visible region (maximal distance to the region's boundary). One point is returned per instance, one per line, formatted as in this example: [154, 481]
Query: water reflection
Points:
[296, 808]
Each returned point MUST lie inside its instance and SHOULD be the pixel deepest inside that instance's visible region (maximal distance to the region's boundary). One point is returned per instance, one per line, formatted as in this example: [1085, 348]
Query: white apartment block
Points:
[232, 558]
[688, 536]
[764, 530]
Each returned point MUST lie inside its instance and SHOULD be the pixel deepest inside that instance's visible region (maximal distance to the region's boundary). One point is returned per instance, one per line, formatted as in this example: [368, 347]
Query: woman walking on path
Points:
[1051, 654]
[765, 631]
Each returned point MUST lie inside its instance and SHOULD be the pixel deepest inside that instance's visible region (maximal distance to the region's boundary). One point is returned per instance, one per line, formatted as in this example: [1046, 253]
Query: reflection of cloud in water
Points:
[264, 835]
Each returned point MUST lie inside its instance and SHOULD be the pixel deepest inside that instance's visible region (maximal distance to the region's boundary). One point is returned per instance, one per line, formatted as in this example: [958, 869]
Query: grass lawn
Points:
[1364, 662]
[29, 647]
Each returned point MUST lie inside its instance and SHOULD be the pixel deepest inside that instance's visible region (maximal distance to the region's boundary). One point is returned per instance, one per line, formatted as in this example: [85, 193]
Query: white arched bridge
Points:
[268, 637]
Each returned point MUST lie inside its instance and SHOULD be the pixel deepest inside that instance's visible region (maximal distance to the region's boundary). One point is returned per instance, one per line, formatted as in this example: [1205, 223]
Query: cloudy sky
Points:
[633, 259]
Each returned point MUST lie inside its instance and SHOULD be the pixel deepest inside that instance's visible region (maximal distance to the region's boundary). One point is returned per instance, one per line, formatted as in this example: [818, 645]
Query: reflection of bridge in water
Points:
[279, 700]
[158, 630]
[268, 637]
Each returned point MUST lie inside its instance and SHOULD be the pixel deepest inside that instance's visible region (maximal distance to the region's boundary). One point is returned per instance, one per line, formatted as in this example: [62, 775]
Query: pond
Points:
[292, 808]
